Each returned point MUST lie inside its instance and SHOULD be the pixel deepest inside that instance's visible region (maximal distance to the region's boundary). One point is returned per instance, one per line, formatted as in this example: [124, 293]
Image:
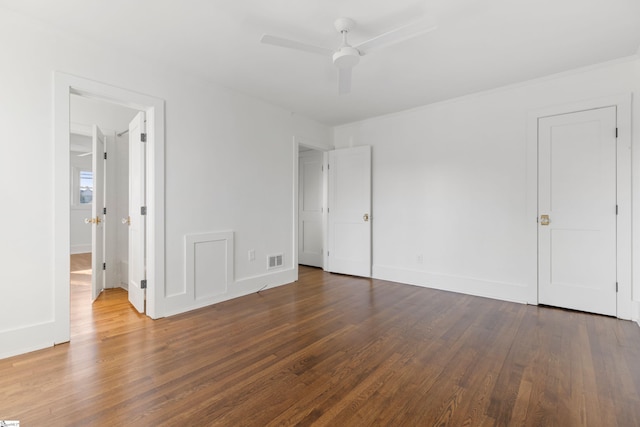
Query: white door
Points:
[97, 217]
[349, 214]
[577, 210]
[137, 223]
[310, 208]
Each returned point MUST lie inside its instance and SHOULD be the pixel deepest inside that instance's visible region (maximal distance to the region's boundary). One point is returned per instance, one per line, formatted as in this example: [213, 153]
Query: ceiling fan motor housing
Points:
[346, 57]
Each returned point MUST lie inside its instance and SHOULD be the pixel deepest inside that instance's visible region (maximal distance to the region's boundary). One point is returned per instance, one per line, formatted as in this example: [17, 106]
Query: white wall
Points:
[229, 166]
[451, 184]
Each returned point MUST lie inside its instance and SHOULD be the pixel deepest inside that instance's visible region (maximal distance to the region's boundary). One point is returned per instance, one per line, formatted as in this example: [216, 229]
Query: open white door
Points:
[310, 192]
[97, 216]
[577, 208]
[349, 215]
[137, 218]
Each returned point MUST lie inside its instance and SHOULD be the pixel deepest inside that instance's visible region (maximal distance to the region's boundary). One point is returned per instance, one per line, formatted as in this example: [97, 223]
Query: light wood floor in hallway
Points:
[330, 350]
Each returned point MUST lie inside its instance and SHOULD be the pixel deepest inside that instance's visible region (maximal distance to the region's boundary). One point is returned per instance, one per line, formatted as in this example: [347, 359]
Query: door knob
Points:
[88, 220]
[544, 220]
[365, 217]
[126, 220]
[95, 220]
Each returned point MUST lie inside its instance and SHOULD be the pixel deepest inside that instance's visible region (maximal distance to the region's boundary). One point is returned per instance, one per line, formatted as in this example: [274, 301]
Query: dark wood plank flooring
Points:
[331, 350]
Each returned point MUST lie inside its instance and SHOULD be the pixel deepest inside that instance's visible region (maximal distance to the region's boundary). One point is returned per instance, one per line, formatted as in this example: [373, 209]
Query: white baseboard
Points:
[513, 292]
[26, 339]
[80, 249]
[236, 289]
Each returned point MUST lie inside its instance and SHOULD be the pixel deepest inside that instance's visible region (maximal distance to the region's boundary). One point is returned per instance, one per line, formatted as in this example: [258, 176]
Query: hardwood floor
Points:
[333, 350]
[111, 311]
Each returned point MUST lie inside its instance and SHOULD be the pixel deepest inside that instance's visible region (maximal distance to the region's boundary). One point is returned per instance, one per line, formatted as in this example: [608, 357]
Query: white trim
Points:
[28, 338]
[513, 292]
[624, 181]
[81, 129]
[190, 241]
[297, 142]
[80, 249]
[500, 89]
[296, 187]
[64, 85]
[239, 288]
[309, 143]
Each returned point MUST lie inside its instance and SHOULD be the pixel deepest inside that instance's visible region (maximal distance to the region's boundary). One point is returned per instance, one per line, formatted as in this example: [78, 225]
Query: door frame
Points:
[624, 238]
[64, 86]
[323, 188]
[297, 142]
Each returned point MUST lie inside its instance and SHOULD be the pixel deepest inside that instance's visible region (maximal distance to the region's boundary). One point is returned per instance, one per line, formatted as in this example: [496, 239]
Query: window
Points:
[86, 187]
[81, 187]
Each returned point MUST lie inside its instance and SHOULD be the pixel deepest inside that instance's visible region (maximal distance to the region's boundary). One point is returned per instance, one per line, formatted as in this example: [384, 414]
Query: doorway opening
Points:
[311, 207]
[343, 179]
[99, 181]
[65, 87]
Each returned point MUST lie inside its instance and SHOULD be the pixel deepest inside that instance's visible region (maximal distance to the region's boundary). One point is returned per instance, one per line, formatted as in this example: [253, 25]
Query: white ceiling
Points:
[479, 44]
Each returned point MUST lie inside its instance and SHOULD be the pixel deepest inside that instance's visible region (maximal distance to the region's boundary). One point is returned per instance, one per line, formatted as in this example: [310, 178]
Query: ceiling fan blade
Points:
[292, 44]
[344, 80]
[398, 35]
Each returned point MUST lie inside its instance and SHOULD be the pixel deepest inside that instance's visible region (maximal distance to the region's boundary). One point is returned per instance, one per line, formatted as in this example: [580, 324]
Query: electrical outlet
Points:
[252, 255]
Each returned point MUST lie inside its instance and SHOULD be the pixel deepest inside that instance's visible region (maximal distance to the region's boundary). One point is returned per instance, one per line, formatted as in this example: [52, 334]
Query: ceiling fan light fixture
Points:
[346, 57]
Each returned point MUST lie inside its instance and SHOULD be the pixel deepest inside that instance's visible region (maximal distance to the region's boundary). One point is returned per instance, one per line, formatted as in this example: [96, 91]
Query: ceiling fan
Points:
[347, 56]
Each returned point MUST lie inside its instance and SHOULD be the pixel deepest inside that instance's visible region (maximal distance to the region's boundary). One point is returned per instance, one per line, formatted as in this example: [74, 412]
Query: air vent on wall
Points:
[274, 261]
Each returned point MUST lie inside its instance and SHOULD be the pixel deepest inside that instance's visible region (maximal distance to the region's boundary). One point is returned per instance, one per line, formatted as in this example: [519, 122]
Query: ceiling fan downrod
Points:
[346, 56]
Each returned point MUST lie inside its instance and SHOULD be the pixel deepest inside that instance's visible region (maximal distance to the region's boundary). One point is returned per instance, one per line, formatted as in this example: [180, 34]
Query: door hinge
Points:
[104, 265]
[143, 210]
[328, 166]
[616, 286]
[143, 137]
[616, 209]
[143, 284]
[104, 211]
[327, 253]
[105, 156]
[616, 132]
